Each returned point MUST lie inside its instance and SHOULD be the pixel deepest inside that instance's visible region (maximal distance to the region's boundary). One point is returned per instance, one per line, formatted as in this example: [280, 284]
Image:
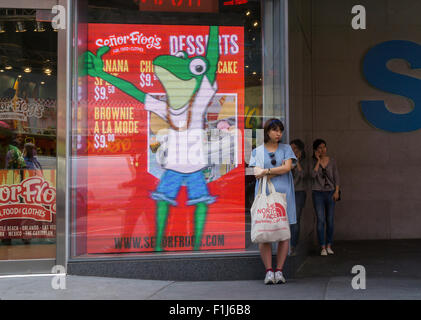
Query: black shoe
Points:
[26, 241]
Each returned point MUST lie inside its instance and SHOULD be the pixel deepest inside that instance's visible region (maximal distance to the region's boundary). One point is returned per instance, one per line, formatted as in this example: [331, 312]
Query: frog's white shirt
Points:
[186, 152]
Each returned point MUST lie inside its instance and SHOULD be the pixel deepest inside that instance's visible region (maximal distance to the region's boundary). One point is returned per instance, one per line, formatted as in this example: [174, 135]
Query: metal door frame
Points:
[276, 62]
[36, 266]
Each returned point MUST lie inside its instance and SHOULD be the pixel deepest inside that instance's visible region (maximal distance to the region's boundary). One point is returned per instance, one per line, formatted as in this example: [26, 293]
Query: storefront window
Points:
[166, 92]
[28, 120]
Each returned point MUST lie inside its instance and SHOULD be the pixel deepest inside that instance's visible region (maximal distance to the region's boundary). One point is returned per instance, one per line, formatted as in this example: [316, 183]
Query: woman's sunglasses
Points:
[272, 156]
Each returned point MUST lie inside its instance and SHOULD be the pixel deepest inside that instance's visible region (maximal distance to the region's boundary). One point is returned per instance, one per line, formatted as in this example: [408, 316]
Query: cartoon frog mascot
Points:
[190, 84]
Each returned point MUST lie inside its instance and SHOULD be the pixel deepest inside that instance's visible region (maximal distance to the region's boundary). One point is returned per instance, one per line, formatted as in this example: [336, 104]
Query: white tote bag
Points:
[269, 219]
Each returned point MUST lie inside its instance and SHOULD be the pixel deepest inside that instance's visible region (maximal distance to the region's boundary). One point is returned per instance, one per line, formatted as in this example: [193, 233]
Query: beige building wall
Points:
[380, 171]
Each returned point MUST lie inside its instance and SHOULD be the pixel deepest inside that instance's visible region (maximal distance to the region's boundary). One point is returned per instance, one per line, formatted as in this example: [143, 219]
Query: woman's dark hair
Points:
[30, 150]
[317, 143]
[272, 124]
[300, 146]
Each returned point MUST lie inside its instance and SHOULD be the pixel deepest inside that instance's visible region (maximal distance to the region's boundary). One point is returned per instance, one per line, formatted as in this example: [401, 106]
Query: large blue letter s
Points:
[377, 74]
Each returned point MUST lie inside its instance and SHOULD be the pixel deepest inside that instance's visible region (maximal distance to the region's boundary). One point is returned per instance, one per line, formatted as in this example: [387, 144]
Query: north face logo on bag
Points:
[273, 211]
[280, 210]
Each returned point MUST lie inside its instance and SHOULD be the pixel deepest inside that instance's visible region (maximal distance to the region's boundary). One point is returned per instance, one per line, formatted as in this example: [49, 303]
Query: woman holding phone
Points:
[325, 192]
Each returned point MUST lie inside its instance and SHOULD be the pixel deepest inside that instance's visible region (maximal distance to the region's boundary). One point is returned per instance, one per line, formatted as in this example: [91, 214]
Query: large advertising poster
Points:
[165, 163]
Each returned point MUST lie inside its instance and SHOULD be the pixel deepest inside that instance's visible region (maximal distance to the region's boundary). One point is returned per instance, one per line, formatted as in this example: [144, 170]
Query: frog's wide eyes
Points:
[181, 54]
[198, 67]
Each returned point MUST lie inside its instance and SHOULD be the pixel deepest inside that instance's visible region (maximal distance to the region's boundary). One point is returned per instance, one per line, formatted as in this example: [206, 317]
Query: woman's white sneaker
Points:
[323, 252]
[270, 277]
[279, 277]
[330, 251]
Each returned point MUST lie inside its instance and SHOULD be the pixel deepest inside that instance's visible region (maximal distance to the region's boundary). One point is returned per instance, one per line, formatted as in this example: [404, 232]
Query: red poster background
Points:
[120, 211]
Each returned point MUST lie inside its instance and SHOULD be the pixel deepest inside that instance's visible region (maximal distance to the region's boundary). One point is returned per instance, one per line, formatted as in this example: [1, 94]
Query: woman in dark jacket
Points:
[299, 173]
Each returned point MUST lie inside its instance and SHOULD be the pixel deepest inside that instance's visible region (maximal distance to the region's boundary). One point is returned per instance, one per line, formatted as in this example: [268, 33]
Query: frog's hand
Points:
[90, 64]
[212, 53]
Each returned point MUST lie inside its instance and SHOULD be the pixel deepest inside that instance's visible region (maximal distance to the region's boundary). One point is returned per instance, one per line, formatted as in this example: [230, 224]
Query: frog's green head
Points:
[180, 76]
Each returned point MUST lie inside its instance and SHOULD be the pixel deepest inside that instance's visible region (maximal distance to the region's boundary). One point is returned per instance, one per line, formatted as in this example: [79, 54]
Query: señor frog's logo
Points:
[273, 212]
[135, 38]
[20, 109]
[34, 198]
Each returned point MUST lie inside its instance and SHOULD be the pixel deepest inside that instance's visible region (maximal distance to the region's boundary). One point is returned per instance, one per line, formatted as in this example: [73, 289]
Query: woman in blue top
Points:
[274, 160]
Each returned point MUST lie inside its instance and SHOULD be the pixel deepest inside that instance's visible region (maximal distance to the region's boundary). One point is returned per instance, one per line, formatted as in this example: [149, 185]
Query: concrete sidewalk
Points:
[92, 288]
[392, 269]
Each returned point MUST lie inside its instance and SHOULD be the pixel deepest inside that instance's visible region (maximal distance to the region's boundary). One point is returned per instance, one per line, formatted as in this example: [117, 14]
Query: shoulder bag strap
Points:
[259, 189]
[271, 186]
[331, 180]
[262, 186]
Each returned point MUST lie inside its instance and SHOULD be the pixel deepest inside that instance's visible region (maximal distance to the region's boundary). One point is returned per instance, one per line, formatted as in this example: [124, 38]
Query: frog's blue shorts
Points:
[170, 184]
